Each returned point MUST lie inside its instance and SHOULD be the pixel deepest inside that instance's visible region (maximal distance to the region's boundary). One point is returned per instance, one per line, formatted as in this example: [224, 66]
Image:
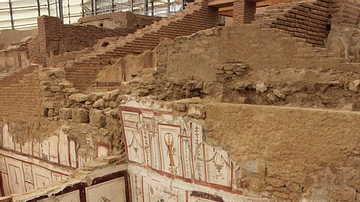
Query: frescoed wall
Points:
[170, 160]
[21, 174]
[34, 164]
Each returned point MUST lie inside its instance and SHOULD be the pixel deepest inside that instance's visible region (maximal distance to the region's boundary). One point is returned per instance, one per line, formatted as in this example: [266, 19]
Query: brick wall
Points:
[20, 95]
[55, 38]
[306, 20]
[118, 20]
[243, 12]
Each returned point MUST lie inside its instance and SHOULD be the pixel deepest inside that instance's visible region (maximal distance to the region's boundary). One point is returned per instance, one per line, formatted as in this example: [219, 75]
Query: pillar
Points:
[244, 12]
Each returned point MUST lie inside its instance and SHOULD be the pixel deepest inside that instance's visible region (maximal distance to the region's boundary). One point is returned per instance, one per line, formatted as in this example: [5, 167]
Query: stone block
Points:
[95, 96]
[354, 86]
[114, 94]
[65, 113]
[99, 104]
[78, 97]
[107, 96]
[56, 73]
[97, 118]
[196, 111]
[261, 88]
[80, 115]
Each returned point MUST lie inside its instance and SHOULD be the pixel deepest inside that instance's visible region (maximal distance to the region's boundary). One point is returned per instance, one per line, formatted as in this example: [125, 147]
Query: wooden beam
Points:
[223, 9]
[220, 3]
[226, 13]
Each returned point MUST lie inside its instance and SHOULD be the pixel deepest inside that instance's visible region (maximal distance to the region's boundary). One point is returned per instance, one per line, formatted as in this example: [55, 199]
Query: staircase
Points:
[269, 15]
[301, 19]
[197, 16]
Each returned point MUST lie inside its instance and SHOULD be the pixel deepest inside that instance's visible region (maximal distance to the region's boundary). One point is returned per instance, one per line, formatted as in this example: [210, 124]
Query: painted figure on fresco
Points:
[169, 141]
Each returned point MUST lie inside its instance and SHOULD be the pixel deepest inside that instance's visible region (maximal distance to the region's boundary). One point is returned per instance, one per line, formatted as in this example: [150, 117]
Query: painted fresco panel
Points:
[184, 162]
[6, 185]
[136, 187]
[169, 137]
[45, 150]
[146, 139]
[56, 177]
[155, 153]
[24, 176]
[186, 157]
[54, 148]
[36, 148]
[218, 166]
[16, 177]
[109, 191]
[42, 176]
[130, 117]
[134, 145]
[73, 155]
[29, 186]
[3, 168]
[198, 152]
[64, 145]
[155, 190]
[17, 147]
[28, 176]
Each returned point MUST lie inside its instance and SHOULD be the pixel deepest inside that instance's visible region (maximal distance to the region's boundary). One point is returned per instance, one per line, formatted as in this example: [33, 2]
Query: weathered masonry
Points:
[124, 107]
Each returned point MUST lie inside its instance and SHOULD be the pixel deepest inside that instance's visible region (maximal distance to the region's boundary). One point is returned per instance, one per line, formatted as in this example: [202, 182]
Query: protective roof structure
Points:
[22, 14]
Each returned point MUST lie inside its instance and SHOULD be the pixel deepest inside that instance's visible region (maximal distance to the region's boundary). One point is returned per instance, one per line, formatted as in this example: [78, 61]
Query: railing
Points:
[19, 14]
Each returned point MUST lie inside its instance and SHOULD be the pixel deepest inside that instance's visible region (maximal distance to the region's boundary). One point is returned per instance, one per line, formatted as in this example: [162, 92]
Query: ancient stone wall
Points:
[20, 95]
[247, 152]
[308, 21]
[222, 45]
[118, 20]
[312, 158]
[55, 38]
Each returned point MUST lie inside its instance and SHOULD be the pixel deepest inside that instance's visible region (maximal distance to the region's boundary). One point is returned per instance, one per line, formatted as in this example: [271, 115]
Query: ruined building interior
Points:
[223, 100]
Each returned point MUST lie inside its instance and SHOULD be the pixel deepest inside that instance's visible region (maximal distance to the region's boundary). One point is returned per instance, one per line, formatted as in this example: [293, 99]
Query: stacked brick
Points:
[14, 77]
[37, 46]
[54, 37]
[20, 95]
[118, 20]
[244, 12]
[198, 16]
[306, 20]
